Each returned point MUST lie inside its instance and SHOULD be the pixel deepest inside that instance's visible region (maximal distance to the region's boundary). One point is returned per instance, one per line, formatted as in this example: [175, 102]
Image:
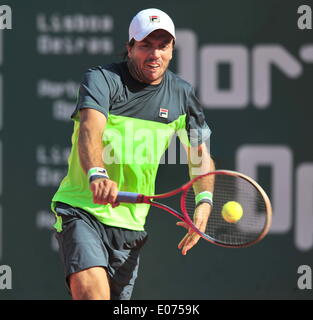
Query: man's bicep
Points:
[92, 118]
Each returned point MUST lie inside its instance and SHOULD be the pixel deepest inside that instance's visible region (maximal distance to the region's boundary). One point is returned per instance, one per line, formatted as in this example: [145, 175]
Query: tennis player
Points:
[125, 117]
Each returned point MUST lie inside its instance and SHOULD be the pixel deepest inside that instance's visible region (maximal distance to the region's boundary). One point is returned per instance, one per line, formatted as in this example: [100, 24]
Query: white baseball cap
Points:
[149, 20]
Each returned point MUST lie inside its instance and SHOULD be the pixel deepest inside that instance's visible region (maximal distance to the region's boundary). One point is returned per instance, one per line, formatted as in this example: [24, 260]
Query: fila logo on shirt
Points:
[163, 113]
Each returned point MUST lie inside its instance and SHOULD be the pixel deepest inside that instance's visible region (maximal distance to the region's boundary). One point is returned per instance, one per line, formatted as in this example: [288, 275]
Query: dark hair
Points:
[124, 54]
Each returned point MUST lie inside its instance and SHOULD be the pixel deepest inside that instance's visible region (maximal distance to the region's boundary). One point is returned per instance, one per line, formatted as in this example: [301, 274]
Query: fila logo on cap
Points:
[163, 113]
[154, 19]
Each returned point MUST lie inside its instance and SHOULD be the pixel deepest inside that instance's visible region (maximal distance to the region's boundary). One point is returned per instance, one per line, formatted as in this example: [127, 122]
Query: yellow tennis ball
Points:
[232, 211]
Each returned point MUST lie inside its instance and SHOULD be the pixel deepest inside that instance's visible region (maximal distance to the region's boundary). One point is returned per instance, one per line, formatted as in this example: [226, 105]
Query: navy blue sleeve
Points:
[197, 128]
[95, 91]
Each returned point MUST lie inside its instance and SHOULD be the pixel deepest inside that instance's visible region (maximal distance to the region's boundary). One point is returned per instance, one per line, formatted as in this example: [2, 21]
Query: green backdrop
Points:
[253, 71]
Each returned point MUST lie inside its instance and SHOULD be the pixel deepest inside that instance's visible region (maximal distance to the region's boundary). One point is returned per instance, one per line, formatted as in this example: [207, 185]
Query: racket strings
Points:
[230, 188]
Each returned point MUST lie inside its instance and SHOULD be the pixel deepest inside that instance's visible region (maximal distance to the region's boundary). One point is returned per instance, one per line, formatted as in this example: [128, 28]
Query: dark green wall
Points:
[35, 138]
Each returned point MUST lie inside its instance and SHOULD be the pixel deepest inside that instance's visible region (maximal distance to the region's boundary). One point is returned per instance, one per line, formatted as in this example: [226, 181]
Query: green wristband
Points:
[204, 196]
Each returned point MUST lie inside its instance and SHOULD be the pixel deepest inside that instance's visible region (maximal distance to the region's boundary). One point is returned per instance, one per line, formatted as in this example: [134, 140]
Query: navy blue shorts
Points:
[84, 242]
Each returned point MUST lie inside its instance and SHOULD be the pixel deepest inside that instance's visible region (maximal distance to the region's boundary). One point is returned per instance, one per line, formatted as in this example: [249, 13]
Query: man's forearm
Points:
[200, 162]
[90, 148]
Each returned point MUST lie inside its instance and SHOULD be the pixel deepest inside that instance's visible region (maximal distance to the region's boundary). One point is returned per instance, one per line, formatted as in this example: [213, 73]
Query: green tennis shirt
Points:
[141, 120]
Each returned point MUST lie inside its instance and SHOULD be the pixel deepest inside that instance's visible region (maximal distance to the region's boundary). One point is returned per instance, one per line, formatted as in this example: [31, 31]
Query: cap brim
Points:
[142, 35]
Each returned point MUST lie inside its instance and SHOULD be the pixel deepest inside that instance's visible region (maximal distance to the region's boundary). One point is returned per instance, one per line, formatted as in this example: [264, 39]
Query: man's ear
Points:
[128, 48]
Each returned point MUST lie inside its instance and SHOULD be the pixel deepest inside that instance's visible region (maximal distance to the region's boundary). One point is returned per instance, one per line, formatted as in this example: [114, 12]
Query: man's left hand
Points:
[200, 220]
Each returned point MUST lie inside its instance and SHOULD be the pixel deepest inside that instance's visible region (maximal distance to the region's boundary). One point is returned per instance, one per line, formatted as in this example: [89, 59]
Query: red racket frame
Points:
[185, 217]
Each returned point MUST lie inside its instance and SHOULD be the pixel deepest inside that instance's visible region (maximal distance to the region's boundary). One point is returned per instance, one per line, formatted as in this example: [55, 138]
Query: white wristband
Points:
[97, 171]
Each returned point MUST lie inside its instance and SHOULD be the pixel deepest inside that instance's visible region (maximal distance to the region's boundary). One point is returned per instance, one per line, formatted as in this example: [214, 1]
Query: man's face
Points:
[150, 57]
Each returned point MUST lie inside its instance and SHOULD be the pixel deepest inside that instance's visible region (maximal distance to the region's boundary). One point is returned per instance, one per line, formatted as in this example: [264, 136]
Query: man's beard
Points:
[138, 74]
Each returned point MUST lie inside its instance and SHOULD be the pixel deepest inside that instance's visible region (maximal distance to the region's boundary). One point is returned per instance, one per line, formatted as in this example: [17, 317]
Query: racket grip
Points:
[128, 197]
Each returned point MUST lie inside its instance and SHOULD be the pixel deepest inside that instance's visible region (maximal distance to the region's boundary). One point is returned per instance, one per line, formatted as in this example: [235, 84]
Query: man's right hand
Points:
[104, 191]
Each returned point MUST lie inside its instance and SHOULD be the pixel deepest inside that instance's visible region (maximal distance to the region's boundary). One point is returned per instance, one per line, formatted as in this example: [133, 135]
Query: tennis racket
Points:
[229, 186]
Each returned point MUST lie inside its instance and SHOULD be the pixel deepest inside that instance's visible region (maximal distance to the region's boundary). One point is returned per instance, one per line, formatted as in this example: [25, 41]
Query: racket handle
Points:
[128, 197]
